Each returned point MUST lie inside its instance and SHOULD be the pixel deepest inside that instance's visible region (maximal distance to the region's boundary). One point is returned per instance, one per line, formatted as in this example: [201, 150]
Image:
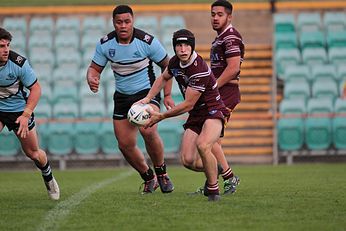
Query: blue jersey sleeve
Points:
[99, 57]
[27, 75]
[157, 52]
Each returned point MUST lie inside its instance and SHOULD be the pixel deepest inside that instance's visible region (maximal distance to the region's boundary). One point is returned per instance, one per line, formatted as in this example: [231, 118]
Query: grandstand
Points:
[282, 70]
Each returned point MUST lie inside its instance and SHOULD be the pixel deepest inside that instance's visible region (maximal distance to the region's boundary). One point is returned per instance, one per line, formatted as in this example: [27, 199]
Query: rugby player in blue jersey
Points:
[16, 107]
[131, 53]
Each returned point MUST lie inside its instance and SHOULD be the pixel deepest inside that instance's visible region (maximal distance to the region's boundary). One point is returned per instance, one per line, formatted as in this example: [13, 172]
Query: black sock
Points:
[148, 175]
[160, 170]
[46, 171]
[219, 169]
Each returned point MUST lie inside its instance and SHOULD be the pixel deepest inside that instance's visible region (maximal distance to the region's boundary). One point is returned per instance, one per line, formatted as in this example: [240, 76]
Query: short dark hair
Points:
[228, 6]
[4, 34]
[122, 9]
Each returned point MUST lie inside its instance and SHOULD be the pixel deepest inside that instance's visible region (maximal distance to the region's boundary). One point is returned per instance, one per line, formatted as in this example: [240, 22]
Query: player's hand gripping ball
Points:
[139, 114]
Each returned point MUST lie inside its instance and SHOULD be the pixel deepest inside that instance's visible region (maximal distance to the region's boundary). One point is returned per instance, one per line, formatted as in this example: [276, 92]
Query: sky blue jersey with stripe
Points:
[132, 64]
[14, 76]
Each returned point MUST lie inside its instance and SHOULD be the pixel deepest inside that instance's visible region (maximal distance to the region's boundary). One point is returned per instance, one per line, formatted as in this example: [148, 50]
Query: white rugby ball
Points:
[138, 114]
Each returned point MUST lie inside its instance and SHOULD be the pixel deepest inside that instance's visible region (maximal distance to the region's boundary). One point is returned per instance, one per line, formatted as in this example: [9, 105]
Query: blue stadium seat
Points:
[284, 22]
[322, 88]
[337, 55]
[297, 89]
[314, 56]
[41, 26]
[286, 57]
[309, 21]
[314, 39]
[87, 138]
[336, 39]
[334, 21]
[9, 144]
[61, 138]
[108, 142]
[68, 26]
[296, 72]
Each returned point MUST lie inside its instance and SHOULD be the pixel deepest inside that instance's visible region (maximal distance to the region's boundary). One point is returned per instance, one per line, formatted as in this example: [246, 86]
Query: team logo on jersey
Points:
[111, 52]
[10, 76]
[19, 59]
[147, 38]
[136, 54]
[105, 38]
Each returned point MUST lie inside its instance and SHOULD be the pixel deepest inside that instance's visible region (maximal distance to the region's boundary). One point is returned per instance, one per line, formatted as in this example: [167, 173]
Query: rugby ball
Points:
[138, 114]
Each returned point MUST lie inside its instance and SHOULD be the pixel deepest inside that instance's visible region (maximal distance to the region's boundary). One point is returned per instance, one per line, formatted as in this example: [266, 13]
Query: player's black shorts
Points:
[9, 120]
[123, 102]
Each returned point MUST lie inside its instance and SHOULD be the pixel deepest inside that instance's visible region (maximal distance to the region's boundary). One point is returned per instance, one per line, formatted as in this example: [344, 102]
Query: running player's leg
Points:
[32, 150]
[210, 133]
[189, 154]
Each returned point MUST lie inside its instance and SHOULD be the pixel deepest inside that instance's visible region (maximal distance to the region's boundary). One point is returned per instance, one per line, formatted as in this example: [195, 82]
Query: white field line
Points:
[55, 216]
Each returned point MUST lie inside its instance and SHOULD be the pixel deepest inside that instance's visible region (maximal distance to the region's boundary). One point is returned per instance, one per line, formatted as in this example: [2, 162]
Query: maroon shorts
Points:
[230, 95]
[196, 120]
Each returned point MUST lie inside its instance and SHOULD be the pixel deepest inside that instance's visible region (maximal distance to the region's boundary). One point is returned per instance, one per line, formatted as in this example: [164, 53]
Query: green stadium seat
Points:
[43, 111]
[65, 109]
[309, 21]
[65, 78]
[169, 24]
[61, 138]
[292, 106]
[286, 57]
[42, 133]
[41, 26]
[336, 39]
[340, 106]
[15, 25]
[87, 138]
[318, 126]
[93, 110]
[94, 26]
[40, 45]
[18, 43]
[327, 72]
[46, 92]
[290, 133]
[337, 55]
[297, 89]
[149, 24]
[341, 73]
[171, 133]
[318, 133]
[296, 72]
[62, 93]
[284, 22]
[339, 132]
[67, 44]
[285, 40]
[67, 26]
[71, 62]
[43, 64]
[314, 39]
[9, 144]
[314, 56]
[108, 142]
[334, 21]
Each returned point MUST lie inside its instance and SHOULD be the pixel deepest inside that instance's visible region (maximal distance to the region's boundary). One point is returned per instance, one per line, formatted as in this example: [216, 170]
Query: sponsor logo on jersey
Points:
[10, 76]
[147, 38]
[19, 59]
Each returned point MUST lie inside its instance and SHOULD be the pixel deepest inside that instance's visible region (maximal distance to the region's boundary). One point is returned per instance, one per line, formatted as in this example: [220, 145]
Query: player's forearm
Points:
[32, 101]
[178, 110]
[156, 88]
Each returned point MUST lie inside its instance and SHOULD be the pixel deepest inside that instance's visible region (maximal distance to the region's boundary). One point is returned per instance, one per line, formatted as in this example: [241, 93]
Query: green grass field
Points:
[298, 197]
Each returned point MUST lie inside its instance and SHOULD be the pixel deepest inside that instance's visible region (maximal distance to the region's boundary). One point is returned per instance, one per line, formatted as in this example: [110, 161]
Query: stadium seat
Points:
[87, 138]
[46, 92]
[337, 55]
[318, 133]
[64, 93]
[15, 25]
[67, 26]
[284, 22]
[334, 21]
[297, 89]
[339, 132]
[309, 21]
[43, 111]
[92, 110]
[336, 39]
[314, 39]
[66, 44]
[66, 78]
[43, 65]
[314, 56]
[18, 43]
[42, 133]
[171, 134]
[285, 40]
[71, 62]
[108, 142]
[286, 57]
[94, 26]
[40, 45]
[149, 24]
[290, 133]
[340, 106]
[296, 72]
[341, 73]
[9, 144]
[65, 109]
[176, 93]
[61, 138]
[41, 26]
[327, 71]
[169, 24]
[318, 125]
[292, 106]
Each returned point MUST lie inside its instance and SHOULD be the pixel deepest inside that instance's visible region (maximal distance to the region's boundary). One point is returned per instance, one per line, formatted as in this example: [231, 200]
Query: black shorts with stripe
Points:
[9, 120]
[123, 102]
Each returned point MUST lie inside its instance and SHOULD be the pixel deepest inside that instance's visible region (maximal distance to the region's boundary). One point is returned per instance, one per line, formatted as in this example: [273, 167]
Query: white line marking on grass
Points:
[55, 216]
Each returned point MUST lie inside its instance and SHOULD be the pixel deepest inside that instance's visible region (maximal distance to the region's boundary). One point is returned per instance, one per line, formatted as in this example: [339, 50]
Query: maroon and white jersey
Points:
[197, 75]
[227, 44]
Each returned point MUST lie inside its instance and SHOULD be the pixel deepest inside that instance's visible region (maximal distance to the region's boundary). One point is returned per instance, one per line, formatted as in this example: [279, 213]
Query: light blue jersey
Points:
[14, 75]
[131, 63]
